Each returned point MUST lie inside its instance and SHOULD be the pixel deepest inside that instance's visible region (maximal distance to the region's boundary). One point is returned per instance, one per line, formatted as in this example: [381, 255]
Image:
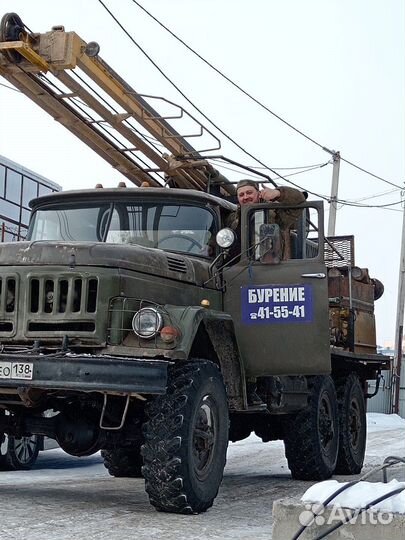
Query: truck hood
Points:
[131, 257]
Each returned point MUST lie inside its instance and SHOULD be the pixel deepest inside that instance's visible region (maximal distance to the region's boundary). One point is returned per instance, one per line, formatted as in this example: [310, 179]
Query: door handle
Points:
[319, 275]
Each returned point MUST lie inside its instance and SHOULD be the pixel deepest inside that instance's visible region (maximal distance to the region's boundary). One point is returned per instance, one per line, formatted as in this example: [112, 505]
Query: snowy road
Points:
[70, 498]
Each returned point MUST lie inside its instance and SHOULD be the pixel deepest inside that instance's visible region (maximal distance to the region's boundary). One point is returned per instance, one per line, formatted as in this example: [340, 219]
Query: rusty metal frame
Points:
[57, 52]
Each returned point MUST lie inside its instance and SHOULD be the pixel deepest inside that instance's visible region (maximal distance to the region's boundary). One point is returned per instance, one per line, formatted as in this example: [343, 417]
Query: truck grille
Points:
[66, 304]
[8, 304]
[70, 295]
[7, 294]
[47, 304]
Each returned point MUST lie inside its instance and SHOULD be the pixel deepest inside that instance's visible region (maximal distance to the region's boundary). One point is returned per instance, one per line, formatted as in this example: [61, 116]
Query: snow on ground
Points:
[66, 498]
[244, 454]
[359, 495]
[386, 437]
[384, 422]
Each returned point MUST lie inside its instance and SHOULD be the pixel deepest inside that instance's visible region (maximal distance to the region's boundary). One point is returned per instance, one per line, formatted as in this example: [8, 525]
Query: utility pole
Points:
[399, 326]
[334, 193]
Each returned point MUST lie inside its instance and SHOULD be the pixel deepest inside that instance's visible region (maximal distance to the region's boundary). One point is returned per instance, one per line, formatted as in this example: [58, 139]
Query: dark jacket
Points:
[285, 218]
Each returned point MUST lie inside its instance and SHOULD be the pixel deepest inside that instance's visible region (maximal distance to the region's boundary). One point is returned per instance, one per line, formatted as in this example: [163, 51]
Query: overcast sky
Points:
[332, 68]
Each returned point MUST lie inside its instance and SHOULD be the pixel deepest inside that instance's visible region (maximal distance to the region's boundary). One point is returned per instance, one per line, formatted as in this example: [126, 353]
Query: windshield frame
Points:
[103, 226]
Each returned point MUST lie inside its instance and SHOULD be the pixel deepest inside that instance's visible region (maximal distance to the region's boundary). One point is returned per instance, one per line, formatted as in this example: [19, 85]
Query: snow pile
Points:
[384, 422]
[359, 495]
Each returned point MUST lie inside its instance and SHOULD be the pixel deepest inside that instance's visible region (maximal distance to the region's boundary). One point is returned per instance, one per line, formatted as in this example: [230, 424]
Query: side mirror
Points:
[270, 243]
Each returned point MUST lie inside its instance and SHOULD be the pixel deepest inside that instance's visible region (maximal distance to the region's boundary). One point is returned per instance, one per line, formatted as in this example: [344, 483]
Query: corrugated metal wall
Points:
[402, 391]
[382, 401]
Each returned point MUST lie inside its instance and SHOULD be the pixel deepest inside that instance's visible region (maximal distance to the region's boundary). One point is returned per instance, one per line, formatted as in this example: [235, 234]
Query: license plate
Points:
[16, 370]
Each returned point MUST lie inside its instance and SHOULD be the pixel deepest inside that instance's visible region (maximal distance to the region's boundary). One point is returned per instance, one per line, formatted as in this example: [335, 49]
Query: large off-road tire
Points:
[123, 462]
[312, 436]
[186, 438]
[20, 454]
[352, 425]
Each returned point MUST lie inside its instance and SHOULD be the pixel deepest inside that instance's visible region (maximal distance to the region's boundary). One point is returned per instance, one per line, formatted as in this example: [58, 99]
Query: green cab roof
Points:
[139, 194]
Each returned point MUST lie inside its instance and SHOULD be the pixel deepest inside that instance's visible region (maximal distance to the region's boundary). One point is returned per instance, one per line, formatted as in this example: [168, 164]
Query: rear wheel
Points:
[186, 438]
[312, 436]
[20, 454]
[352, 424]
[123, 462]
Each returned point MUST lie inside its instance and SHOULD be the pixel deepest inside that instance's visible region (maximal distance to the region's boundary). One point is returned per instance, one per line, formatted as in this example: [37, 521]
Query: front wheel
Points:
[186, 438]
[312, 436]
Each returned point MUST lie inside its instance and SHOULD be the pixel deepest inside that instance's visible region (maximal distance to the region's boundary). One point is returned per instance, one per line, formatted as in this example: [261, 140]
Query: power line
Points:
[226, 77]
[293, 168]
[306, 169]
[370, 173]
[257, 101]
[195, 106]
[359, 205]
[218, 128]
[342, 202]
[10, 88]
[285, 176]
[391, 209]
[376, 195]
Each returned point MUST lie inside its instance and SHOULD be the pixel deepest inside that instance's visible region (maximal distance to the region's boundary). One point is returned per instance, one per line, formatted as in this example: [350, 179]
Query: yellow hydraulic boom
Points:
[66, 77]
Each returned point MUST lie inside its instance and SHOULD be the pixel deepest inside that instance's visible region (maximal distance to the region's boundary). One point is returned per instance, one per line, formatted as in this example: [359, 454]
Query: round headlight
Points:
[225, 238]
[147, 322]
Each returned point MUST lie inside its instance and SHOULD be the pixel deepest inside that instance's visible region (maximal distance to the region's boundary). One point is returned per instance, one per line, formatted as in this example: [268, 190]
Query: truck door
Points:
[280, 307]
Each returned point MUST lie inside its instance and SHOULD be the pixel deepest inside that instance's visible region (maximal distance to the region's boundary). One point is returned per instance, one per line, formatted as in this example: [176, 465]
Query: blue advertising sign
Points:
[277, 304]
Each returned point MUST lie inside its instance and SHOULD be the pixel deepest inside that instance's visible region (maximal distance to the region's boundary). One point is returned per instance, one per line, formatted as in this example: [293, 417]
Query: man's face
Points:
[248, 195]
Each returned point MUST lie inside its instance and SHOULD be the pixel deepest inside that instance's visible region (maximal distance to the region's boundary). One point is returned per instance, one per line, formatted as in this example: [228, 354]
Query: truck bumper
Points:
[85, 373]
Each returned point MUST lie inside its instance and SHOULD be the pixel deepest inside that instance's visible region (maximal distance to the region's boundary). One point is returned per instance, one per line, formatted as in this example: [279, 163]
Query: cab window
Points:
[283, 234]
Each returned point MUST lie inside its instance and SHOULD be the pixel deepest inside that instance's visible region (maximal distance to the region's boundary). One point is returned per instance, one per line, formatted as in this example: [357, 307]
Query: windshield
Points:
[171, 227]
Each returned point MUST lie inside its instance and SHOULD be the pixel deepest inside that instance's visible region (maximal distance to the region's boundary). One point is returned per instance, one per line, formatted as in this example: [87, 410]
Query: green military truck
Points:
[145, 327]
[124, 314]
